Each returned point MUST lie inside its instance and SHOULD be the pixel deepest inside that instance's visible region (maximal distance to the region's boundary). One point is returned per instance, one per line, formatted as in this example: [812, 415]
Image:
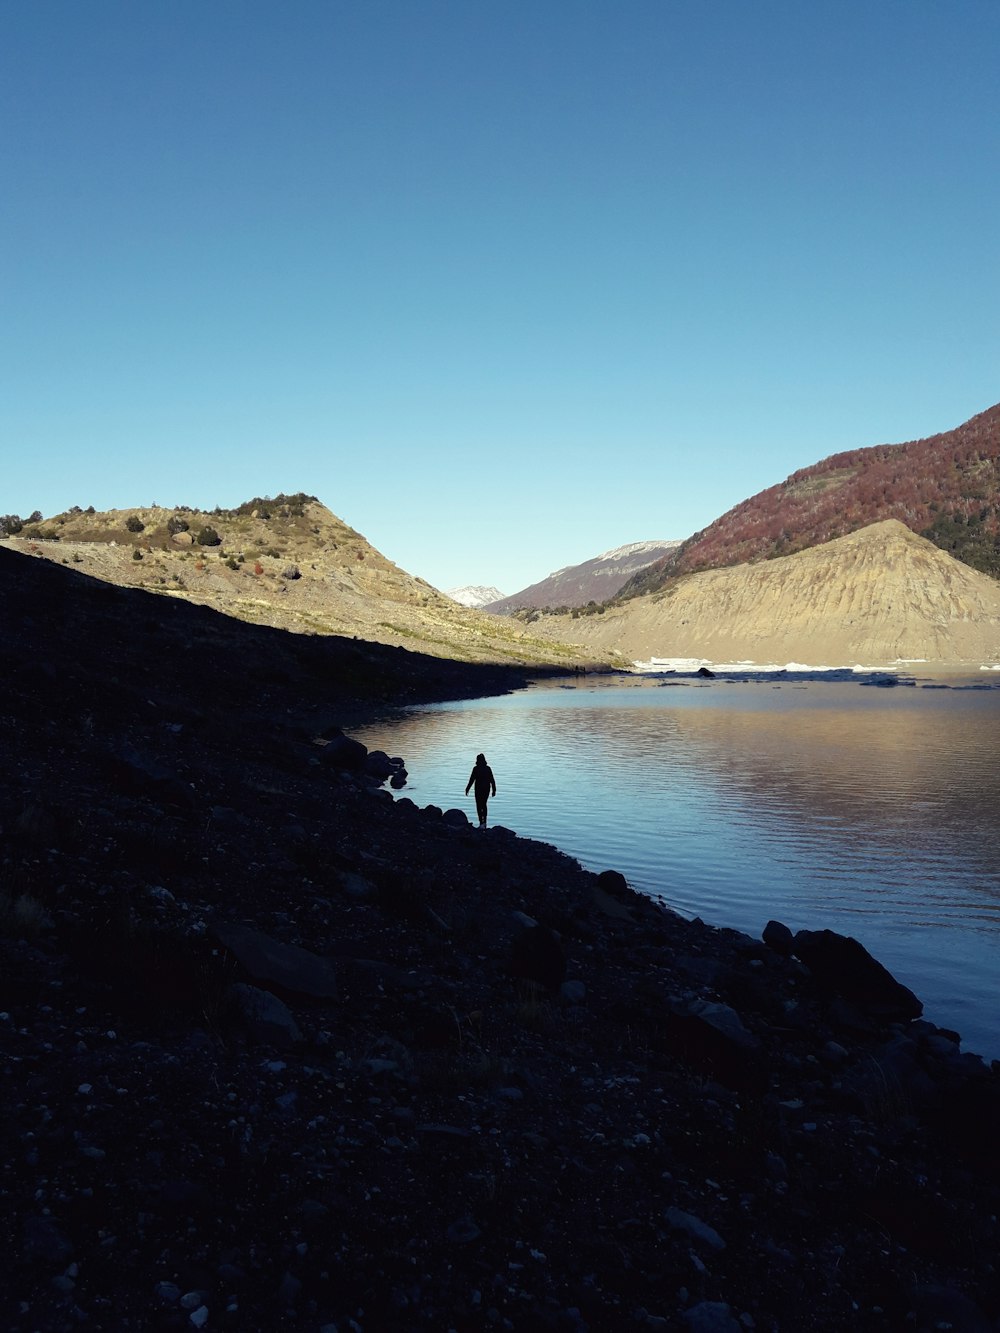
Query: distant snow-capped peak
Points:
[475, 595]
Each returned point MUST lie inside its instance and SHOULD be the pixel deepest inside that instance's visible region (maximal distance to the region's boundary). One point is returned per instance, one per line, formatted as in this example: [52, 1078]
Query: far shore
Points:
[908, 668]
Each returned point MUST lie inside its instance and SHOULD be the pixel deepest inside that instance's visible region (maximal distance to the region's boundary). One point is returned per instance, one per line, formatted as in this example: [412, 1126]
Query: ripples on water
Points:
[822, 804]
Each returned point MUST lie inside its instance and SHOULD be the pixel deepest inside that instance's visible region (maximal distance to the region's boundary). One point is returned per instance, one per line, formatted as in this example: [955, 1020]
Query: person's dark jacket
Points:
[482, 776]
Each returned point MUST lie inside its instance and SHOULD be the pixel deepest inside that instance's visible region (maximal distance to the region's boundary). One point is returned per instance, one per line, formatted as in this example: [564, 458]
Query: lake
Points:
[817, 802]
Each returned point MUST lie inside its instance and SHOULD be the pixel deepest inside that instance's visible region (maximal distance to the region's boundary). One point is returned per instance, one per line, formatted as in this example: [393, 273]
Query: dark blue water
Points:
[874, 812]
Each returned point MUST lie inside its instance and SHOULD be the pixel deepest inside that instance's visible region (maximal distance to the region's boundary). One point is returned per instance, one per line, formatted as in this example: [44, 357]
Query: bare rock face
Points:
[875, 597]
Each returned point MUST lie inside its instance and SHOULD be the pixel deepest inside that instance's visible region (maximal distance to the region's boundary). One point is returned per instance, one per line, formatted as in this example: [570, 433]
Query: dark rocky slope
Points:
[278, 1053]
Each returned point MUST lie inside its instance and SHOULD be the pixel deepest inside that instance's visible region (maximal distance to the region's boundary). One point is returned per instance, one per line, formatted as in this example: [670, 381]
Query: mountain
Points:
[594, 580]
[287, 562]
[475, 595]
[945, 487]
[873, 597]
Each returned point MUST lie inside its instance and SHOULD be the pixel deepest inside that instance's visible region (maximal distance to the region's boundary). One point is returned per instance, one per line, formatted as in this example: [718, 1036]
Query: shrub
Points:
[291, 572]
[209, 537]
[137, 554]
[175, 524]
[232, 564]
[134, 523]
[265, 505]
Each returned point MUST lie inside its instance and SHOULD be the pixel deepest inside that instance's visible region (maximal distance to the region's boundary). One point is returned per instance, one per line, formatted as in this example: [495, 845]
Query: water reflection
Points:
[870, 811]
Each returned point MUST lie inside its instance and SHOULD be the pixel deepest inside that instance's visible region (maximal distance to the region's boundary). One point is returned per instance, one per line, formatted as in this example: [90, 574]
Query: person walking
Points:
[482, 778]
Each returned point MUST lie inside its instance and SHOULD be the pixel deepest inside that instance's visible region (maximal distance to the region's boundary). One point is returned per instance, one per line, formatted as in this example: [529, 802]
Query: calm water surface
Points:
[874, 812]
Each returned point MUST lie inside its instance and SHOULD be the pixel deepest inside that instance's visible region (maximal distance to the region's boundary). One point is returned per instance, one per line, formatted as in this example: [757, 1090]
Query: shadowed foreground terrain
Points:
[278, 1053]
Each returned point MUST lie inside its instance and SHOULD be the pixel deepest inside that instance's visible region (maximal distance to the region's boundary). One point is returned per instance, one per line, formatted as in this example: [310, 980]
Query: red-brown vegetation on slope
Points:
[946, 487]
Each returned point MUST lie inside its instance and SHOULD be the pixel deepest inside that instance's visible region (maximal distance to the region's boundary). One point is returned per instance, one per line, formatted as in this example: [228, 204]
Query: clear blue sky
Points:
[503, 283]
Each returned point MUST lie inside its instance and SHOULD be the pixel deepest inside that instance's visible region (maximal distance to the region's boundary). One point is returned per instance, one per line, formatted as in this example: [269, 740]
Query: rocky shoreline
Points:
[279, 1052]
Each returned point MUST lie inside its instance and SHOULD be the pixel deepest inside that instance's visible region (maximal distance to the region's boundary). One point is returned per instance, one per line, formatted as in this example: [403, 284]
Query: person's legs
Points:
[481, 808]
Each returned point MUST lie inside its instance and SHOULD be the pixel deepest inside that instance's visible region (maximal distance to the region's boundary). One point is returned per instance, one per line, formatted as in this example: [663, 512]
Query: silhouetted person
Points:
[482, 777]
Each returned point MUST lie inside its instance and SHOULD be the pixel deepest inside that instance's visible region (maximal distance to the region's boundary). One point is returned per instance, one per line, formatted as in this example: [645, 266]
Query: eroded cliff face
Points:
[876, 596]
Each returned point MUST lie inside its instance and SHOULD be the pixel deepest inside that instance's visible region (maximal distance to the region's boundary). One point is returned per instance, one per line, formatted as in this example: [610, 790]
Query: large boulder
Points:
[382, 768]
[345, 752]
[378, 765]
[265, 1017]
[778, 937]
[841, 966]
[710, 1037]
[133, 771]
[287, 967]
[537, 956]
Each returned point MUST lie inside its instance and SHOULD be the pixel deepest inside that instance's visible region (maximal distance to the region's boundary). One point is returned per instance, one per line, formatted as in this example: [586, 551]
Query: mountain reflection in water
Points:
[822, 804]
